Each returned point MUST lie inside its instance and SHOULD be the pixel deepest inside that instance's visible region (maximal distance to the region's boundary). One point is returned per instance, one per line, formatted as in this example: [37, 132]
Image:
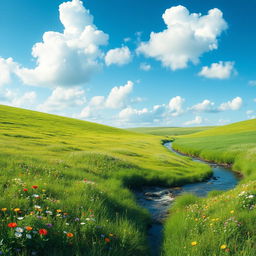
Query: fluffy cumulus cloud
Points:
[208, 106]
[17, 99]
[7, 68]
[144, 116]
[221, 70]
[234, 104]
[204, 106]
[118, 97]
[175, 106]
[69, 58]
[198, 120]
[118, 56]
[186, 37]
[62, 99]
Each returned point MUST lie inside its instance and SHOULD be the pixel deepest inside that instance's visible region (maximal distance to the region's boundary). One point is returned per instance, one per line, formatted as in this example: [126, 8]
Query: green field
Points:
[223, 223]
[67, 185]
[169, 131]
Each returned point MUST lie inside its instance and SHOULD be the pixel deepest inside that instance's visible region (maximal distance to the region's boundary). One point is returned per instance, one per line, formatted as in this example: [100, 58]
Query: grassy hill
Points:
[234, 144]
[169, 131]
[223, 223]
[65, 185]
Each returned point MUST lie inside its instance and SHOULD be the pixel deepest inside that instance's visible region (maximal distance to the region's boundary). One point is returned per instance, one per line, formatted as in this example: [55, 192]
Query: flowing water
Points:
[157, 200]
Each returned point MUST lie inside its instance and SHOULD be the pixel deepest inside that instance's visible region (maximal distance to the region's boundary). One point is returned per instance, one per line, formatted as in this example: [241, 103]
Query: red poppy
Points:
[34, 186]
[107, 240]
[25, 189]
[12, 225]
[43, 232]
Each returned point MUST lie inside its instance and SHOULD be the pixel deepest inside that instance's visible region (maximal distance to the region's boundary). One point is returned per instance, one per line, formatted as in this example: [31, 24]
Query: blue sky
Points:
[99, 60]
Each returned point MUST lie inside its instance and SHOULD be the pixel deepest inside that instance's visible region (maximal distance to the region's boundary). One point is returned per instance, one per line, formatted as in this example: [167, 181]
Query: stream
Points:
[157, 200]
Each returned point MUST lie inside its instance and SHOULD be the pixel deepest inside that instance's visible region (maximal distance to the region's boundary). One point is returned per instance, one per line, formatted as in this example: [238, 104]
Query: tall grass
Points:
[66, 185]
[223, 223]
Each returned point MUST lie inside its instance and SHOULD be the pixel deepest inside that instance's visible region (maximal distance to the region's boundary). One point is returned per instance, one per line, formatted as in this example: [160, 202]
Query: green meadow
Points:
[169, 131]
[67, 185]
[67, 188]
[223, 223]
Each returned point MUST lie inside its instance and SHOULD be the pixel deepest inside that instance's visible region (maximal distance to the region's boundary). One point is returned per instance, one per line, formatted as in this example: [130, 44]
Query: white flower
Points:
[18, 235]
[251, 196]
[28, 236]
[48, 212]
[20, 218]
[82, 223]
[19, 230]
[35, 195]
[37, 207]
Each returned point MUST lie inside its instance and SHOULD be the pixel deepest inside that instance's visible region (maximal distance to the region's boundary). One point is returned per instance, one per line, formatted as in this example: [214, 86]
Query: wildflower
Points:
[18, 235]
[43, 190]
[37, 207]
[107, 240]
[25, 189]
[20, 218]
[111, 234]
[49, 225]
[28, 228]
[35, 196]
[58, 211]
[223, 247]
[16, 209]
[43, 232]
[4, 209]
[70, 234]
[194, 243]
[34, 186]
[12, 225]
[82, 223]
[19, 230]
[28, 236]
[232, 211]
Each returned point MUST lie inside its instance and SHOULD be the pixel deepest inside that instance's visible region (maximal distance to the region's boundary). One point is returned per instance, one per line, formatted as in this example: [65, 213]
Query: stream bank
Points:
[158, 200]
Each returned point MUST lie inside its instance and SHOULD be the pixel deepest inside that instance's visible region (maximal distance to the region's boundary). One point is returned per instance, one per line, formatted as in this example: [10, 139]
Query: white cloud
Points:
[197, 120]
[118, 96]
[118, 56]
[145, 116]
[27, 99]
[62, 99]
[252, 82]
[145, 66]
[221, 70]
[16, 99]
[186, 37]
[7, 68]
[69, 58]
[234, 104]
[175, 106]
[204, 106]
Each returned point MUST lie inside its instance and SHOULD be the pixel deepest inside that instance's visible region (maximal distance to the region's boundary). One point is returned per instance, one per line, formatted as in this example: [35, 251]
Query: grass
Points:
[67, 185]
[223, 223]
[169, 131]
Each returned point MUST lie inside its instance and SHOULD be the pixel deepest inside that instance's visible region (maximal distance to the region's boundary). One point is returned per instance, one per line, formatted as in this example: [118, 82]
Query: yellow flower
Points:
[58, 210]
[43, 190]
[4, 209]
[194, 243]
[232, 211]
[16, 209]
[223, 247]
[196, 219]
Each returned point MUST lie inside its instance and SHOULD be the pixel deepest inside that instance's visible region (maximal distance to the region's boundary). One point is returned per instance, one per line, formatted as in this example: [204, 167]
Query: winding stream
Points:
[157, 200]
